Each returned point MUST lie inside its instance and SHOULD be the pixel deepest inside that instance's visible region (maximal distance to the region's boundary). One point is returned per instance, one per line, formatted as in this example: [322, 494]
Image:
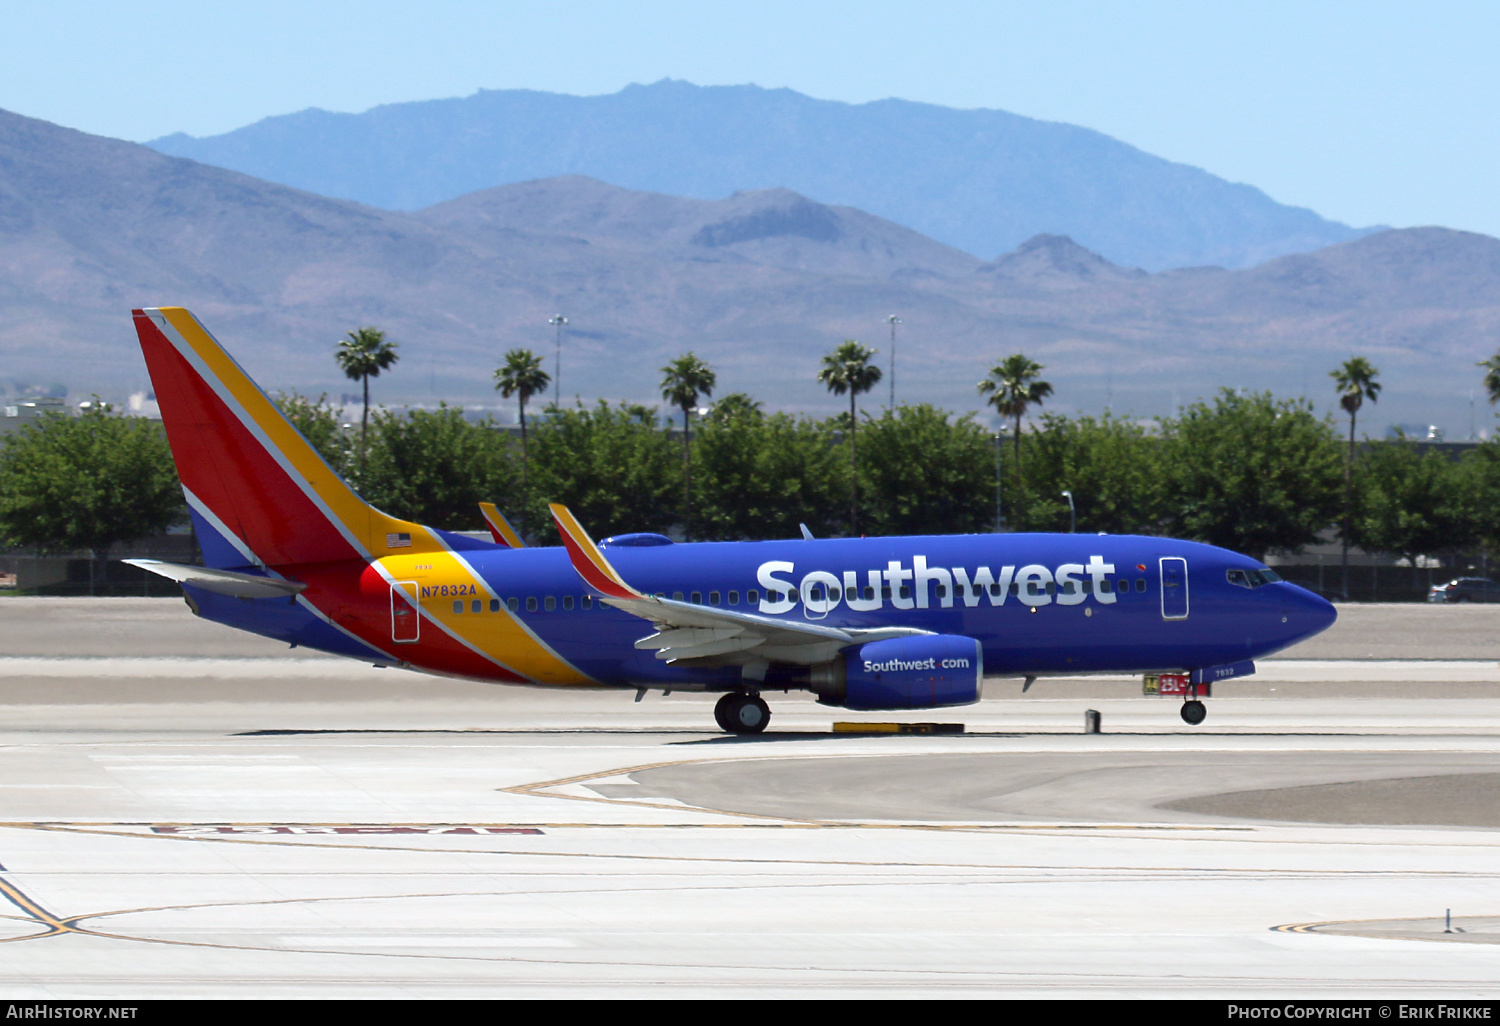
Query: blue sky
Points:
[1369, 113]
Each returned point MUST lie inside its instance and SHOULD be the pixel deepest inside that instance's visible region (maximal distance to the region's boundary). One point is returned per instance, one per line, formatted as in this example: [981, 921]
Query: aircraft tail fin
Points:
[258, 492]
[500, 528]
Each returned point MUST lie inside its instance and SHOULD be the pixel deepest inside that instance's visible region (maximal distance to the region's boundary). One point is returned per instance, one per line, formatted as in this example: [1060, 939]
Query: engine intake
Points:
[921, 672]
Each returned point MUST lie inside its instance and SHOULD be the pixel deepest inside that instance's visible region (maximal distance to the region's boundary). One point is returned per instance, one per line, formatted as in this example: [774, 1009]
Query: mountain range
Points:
[982, 181]
[760, 283]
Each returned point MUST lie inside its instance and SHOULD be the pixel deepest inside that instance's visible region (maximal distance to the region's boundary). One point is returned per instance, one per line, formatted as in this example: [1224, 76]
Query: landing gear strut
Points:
[739, 713]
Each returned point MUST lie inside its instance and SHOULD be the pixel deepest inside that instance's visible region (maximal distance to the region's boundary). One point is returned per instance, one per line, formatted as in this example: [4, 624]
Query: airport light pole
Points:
[1072, 515]
[558, 323]
[893, 320]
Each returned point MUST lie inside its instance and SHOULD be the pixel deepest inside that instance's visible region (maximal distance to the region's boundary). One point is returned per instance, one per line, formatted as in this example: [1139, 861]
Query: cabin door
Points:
[1174, 588]
[406, 619]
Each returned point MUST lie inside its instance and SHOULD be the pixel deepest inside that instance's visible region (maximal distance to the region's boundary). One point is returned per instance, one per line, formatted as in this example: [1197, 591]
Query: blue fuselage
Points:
[1038, 604]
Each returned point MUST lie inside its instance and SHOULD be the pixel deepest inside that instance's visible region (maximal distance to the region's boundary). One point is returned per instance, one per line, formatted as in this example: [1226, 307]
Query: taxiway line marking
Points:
[627, 857]
[1318, 928]
[773, 970]
[1226, 872]
[770, 970]
[97, 826]
[34, 910]
[537, 791]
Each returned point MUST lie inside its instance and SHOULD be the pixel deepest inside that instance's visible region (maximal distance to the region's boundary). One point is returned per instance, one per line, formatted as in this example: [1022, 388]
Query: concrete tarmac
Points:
[188, 811]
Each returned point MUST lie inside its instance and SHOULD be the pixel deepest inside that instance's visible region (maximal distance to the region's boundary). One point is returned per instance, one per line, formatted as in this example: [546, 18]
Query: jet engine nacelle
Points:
[920, 672]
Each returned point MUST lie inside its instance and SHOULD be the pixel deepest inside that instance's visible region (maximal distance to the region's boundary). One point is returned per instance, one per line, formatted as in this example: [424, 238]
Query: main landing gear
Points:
[741, 713]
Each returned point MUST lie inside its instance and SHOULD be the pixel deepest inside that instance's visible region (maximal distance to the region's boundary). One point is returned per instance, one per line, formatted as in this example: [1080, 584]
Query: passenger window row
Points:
[549, 603]
[752, 597]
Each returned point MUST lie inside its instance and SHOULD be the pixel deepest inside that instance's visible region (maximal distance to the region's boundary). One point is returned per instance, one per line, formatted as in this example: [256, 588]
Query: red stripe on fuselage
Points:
[228, 468]
[355, 596]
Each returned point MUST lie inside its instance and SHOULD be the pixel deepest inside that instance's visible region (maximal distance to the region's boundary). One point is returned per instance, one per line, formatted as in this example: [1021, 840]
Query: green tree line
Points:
[1246, 471]
[1242, 470]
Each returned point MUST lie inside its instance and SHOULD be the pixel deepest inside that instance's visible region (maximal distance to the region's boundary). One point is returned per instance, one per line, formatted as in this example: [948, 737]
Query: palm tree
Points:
[362, 356]
[682, 382]
[1492, 376]
[1355, 382]
[1012, 388]
[522, 376]
[848, 369]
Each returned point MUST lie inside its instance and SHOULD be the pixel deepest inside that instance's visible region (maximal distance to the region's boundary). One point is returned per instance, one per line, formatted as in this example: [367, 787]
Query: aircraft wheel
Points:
[723, 711]
[1194, 712]
[751, 715]
[742, 714]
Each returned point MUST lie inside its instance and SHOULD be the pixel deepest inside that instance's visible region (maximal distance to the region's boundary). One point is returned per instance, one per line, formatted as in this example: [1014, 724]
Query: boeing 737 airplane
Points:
[291, 552]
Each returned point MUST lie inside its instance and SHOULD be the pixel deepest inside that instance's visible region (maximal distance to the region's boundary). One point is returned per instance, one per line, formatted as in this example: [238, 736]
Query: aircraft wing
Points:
[686, 631]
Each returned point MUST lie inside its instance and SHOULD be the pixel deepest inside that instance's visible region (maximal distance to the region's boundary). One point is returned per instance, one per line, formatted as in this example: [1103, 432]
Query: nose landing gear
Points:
[1193, 711]
[741, 713]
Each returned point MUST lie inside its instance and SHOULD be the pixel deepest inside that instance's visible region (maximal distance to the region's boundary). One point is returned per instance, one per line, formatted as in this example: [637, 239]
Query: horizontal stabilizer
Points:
[221, 582]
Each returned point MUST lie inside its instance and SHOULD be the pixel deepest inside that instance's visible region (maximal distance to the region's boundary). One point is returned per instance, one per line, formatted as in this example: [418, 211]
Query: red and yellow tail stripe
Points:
[587, 559]
[245, 462]
[500, 528]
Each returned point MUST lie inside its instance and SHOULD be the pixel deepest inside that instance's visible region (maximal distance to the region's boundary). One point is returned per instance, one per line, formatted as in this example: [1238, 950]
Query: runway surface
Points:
[189, 811]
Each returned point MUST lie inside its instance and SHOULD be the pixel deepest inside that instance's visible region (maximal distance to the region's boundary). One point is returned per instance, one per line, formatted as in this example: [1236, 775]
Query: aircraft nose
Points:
[1306, 613]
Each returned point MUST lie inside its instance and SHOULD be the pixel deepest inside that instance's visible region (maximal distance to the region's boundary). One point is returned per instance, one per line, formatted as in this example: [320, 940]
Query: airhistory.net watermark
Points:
[47, 1011]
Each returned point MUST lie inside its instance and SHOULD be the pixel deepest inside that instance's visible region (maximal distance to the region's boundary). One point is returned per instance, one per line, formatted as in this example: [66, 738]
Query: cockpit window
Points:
[1251, 578]
[1237, 577]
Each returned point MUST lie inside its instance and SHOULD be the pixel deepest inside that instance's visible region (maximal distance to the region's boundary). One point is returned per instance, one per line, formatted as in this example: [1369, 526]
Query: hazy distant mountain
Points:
[982, 181]
[1056, 262]
[761, 285]
[90, 227]
[776, 227]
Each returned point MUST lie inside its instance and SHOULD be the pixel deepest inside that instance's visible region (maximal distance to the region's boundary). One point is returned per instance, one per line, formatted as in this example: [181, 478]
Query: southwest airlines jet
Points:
[291, 552]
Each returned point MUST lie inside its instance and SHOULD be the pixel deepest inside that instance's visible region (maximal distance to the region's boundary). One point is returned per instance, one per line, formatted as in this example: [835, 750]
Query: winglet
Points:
[587, 559]
[500, 528]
